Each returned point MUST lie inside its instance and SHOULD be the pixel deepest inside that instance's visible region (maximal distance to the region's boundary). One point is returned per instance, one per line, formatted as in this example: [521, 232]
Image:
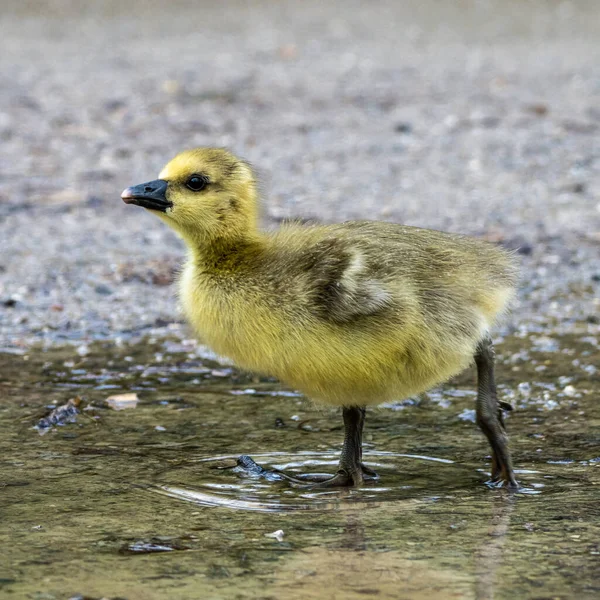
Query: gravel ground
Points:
[479, 117]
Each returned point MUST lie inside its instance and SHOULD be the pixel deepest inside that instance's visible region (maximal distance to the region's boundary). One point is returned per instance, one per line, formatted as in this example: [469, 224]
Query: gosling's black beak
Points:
[149, 195]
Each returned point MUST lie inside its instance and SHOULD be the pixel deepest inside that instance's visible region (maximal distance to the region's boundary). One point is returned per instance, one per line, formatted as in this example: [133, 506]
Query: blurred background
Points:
[474, 116]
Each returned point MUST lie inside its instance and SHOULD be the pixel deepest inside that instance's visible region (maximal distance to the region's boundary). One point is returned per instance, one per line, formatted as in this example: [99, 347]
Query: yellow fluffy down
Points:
[402, 349]
[350, 314]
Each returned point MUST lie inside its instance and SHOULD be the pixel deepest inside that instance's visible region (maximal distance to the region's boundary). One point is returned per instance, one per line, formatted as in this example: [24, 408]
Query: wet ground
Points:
[139, 497]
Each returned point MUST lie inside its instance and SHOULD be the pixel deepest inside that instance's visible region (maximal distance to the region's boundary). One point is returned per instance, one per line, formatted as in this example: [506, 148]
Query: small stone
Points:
[60, 415]
[545, 344]
[525, 249]
[538, 108]
[403, 128]
[122, 401]
[518, 243]
[468, 414]
[569, 391]
[103, 290]
[171, 86]
[288, 51]
[221, 372]
[246, 392]
[524, 389]
[278, 535]
[114, 105]
[306, 426]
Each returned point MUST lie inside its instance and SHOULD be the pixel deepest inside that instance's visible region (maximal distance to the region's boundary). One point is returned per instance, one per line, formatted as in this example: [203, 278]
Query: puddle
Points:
[257, 494]
[153, 497]
[404, 476]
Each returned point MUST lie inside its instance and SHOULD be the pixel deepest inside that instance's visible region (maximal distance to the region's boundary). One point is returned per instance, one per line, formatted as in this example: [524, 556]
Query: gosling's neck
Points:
[226, 250]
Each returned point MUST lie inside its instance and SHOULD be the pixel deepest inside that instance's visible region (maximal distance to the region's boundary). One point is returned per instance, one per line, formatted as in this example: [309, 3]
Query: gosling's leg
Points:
[490, 417]
[351, 471]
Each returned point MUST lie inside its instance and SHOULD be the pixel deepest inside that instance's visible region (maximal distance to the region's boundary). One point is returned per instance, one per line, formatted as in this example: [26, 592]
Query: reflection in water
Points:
[354, 535]
[489, 557]
[204, 499]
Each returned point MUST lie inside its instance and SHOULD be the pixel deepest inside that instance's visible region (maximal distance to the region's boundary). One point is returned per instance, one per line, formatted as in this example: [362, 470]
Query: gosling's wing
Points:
[341, 283]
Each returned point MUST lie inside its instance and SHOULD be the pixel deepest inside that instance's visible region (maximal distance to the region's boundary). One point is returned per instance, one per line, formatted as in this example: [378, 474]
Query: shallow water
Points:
[147, 502]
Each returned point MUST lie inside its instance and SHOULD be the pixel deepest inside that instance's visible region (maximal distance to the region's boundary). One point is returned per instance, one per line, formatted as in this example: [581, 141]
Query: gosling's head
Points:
[204, 194]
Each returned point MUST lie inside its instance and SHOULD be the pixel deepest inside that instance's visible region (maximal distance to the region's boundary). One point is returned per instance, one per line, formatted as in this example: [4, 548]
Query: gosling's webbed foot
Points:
[248, 465]
[502, 476]
[502, 471]
[345, 477]
[351, 471]
[509, 484]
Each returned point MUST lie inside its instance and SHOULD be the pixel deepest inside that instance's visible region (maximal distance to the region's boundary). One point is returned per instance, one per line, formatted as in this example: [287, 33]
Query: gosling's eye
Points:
[196, 183]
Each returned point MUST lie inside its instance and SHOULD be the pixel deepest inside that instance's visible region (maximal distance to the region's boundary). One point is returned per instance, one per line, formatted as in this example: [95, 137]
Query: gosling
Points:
[351, 314]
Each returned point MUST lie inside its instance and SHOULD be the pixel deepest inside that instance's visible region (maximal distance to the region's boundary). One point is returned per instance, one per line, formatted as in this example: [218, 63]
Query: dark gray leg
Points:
[351, 471]
[489, 415]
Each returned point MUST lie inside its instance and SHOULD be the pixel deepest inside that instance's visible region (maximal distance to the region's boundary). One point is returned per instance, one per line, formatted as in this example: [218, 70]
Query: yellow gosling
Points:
[351, 314]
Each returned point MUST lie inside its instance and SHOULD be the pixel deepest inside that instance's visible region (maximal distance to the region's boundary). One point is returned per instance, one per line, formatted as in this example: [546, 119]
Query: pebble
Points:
[524, 388]
[403, 128]
[545, 344]
[122, 401]
[103, 290]
[278, 535]
[468, 414]
[60, 415]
